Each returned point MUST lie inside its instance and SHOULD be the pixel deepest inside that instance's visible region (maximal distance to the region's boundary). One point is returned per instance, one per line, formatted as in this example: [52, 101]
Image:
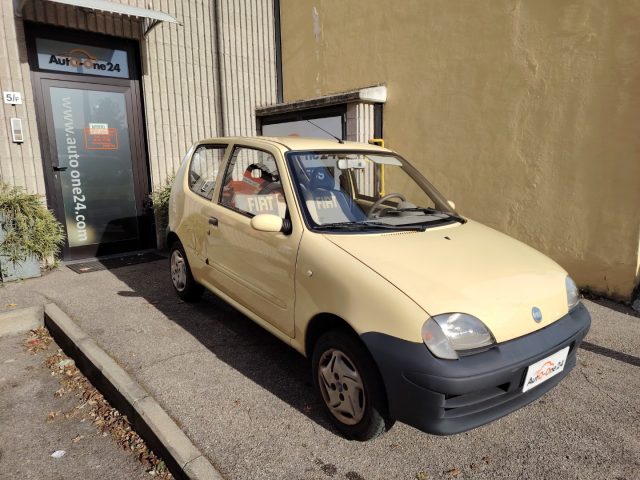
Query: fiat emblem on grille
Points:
[536, 314]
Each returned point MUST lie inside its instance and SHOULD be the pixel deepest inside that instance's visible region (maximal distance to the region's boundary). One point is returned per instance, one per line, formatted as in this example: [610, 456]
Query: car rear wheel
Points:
[349, 385]
[181, 278]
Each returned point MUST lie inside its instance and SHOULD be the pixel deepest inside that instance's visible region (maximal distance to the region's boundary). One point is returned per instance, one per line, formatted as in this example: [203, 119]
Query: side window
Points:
[252, 184]
[204, 167]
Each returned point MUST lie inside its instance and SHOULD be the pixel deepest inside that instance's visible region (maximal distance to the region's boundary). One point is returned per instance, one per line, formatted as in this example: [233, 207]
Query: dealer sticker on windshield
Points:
[545, 369]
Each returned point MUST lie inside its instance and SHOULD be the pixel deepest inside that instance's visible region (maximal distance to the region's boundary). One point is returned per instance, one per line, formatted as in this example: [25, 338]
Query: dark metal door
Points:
[95, 163]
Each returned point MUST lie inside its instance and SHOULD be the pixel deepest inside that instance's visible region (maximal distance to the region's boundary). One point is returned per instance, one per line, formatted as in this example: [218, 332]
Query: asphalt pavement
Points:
[247, 402]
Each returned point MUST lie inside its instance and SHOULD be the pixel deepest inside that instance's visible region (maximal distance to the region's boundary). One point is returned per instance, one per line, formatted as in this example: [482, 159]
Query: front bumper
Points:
[444, 397]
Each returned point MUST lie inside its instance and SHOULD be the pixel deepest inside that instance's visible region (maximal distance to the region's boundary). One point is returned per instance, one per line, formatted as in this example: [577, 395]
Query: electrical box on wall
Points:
[16, 130]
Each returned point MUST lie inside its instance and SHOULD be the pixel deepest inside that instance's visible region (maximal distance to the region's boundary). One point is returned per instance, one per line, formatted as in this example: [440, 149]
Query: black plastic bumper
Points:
[450, 396]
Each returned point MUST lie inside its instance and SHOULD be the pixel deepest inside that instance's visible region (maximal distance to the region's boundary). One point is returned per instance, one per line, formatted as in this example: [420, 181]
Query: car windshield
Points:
[365, 191]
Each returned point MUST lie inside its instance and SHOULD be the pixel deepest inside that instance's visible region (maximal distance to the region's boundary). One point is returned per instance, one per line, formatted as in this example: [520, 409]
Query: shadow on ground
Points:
[612, 304]
[233, 338]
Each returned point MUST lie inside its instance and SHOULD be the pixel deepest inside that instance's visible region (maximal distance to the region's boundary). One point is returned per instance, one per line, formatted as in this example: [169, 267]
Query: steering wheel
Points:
[381, 200]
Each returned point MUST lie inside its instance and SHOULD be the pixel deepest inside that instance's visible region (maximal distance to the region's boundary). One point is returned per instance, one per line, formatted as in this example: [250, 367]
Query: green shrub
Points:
[29, 228]
[160, 198]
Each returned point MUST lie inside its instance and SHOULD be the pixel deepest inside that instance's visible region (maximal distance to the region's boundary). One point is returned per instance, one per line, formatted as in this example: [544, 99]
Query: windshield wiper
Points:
[366, 224]
[388, 226]
[431, 210]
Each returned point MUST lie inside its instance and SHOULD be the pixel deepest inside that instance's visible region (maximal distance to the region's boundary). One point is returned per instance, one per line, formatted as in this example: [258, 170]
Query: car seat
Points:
[328, 204]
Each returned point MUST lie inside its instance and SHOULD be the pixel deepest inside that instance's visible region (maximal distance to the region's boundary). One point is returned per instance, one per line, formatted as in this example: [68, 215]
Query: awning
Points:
[375, 94]
[153, 17]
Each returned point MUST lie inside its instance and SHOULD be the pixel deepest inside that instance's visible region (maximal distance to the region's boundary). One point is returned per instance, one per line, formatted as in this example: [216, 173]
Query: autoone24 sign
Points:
[83, 59]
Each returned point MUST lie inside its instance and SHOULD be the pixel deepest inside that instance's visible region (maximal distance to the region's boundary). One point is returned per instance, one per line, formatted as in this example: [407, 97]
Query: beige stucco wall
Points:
[526, 113]
[180, 83]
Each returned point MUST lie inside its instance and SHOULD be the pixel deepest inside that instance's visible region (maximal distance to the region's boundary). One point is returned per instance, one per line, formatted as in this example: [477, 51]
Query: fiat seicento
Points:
[408, 310]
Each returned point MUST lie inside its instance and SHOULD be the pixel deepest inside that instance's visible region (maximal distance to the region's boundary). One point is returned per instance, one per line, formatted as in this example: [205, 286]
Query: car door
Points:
[206, 163]
[254, 268]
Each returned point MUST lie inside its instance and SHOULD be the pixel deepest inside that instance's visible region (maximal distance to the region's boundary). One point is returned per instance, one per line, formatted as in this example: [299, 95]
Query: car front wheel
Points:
[181, 278]
[347, 380]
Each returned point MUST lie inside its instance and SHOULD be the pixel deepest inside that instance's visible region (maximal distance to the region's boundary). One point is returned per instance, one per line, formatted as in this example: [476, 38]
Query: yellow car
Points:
[408, 310]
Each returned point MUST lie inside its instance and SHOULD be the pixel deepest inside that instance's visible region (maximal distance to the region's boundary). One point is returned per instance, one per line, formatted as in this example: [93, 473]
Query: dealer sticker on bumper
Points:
[545, 369]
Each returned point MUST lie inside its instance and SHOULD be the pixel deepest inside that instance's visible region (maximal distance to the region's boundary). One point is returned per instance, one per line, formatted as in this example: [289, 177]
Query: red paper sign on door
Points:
[101, 141]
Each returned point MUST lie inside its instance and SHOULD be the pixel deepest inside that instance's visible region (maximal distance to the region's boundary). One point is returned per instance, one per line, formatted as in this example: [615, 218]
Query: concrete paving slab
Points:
[28, 438]
[246, 399]
[20, 320]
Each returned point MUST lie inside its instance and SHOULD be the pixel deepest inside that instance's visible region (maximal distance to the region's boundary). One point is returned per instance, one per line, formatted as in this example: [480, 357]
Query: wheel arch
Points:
[320, 324]
[170, 238]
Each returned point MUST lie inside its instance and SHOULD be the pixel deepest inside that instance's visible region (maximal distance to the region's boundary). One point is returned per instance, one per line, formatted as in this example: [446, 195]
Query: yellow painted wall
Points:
[525, 113]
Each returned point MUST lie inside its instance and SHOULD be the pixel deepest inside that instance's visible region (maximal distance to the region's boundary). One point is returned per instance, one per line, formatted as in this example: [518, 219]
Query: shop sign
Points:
[81, 59]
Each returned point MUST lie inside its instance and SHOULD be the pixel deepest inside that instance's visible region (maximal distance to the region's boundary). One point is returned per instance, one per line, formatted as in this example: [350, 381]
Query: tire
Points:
[181, 277]
[358, 411]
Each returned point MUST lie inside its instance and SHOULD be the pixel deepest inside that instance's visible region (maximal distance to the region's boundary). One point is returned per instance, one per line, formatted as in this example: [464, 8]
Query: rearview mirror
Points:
[357, 163]
[267, 222]
[451, 204]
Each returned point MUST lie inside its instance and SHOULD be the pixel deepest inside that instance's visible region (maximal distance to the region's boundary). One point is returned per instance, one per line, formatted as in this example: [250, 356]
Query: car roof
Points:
[300, 143]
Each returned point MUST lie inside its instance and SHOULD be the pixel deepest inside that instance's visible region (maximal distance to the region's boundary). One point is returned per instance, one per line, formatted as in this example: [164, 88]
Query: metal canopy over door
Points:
[94, 153]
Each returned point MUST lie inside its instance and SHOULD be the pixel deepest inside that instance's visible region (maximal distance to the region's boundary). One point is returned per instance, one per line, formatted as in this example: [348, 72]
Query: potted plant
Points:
[30, 236]
[160, 200]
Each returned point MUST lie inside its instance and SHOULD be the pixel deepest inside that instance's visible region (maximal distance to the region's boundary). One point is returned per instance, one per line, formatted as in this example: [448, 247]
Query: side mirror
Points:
[267, 222]
[451, 204]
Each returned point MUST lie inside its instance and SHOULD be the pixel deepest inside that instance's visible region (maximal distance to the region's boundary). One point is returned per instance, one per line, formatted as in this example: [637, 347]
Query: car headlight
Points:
[573, 294]
[446, 335]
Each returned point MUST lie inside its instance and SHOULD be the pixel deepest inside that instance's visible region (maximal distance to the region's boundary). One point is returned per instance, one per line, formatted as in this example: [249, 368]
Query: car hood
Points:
[467, 268]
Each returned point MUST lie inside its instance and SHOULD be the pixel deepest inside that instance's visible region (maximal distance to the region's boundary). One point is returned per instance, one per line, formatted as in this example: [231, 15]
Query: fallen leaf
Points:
[454, 472]
[93, 407]
[38, 340]
[11, 305]
[486, 460]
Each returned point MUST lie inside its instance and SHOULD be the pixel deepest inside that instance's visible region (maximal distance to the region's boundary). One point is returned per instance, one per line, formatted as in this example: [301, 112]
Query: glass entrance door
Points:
[95, 166]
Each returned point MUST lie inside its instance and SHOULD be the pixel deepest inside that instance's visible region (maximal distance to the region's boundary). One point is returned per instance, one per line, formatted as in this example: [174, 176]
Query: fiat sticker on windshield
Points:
[545, 369]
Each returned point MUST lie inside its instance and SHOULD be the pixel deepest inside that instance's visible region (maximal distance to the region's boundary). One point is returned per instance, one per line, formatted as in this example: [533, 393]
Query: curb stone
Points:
[147, 417]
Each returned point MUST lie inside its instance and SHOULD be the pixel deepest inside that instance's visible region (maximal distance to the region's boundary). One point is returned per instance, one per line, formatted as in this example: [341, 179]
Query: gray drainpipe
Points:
[278, 34]
[217, 16]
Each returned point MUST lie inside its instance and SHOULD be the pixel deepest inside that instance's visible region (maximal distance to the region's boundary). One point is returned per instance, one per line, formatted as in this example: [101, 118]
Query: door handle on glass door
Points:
[213, 221]
[57, 168]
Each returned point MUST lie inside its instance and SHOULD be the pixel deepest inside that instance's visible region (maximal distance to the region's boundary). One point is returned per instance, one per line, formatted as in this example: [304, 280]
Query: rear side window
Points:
[252, 184]
[204, 168]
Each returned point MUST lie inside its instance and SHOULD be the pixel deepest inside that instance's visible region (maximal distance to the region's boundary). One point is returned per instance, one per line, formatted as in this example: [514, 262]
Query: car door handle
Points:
[57, 168]
[213, 221]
